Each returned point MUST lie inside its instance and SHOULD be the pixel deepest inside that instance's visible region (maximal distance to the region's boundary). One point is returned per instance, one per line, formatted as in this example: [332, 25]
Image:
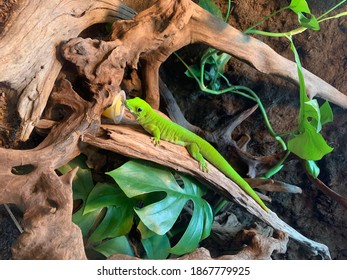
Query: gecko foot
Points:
[203, 166]
[156, 141]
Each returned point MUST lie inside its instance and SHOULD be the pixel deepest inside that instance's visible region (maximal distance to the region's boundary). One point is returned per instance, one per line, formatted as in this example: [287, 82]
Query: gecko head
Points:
[138, 107]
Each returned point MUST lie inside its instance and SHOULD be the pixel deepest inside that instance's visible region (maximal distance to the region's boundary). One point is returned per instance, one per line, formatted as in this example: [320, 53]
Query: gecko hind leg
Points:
[194, 151]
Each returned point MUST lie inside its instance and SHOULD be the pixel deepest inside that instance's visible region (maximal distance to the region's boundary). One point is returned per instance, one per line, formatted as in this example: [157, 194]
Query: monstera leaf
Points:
[149, 181]
[82, 185]
[105, 214]
[118, 219]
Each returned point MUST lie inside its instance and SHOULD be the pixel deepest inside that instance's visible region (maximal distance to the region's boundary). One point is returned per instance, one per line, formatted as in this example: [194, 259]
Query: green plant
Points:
[144, 196]
[209, 74]
[102, 212]
[149, 182]
[305, 141]
[305, 18]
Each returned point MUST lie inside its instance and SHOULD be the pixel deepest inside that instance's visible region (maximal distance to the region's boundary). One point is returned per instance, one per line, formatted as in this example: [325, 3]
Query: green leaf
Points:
[305, 18]
[210, 6]
[85, 222]
[326, 113]
[145, 231]
[205, 207]
[309, 21]
[82, 183]
[103, 195]
[318, 116]
[312, 168]
[190, 239]
[312, 114]
[161, 216]
[78, 161]
[298, 6]
[157, 247]
[118, 245]
[119, 215]
[221, 61]
[116, 222]
[193, 70]
[302, 85]
[309, 144]
[137, 178]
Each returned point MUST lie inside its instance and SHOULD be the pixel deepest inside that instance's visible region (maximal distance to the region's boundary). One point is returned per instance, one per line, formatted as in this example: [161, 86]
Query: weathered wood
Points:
[170, 25]
[254, 247]
[29, 47]
[29, 179]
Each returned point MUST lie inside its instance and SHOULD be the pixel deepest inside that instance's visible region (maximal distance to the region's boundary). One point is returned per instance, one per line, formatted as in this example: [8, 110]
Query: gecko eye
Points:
[139, 109]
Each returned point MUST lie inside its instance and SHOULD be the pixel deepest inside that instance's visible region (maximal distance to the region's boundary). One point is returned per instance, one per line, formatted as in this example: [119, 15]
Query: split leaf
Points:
[137, 178]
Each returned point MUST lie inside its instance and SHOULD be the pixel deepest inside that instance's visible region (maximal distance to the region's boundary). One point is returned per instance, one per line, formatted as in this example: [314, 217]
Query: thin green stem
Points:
[240, 90]
[225, 79]
[219, 206]
[343, 14]
[228, 11]
[273, 170]
[248, 30]
[330, 10]
[279, 34]
[266, 119]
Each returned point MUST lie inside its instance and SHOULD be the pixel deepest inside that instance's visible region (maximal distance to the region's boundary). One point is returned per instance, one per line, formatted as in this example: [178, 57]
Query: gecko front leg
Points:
[155, 132]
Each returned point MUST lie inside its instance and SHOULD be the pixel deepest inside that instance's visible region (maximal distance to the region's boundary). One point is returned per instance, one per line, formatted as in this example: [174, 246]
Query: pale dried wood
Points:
[254, 247]
[198, 25]
[29, 47]
[45, 197]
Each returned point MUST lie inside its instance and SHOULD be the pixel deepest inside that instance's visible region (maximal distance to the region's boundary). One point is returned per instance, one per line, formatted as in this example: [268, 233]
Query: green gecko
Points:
[162, 128]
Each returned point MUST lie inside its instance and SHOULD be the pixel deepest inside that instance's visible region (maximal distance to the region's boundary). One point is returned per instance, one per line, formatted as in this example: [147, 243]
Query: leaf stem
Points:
[250, 29]
[330, 10]
[273, 170]
[228, 11]
[240, 90]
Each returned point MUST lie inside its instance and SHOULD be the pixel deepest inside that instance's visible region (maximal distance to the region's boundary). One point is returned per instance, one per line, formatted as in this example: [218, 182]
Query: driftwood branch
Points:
[134, 143]
[29, 179]
[29, 48]
[255, 247]
[182, 23]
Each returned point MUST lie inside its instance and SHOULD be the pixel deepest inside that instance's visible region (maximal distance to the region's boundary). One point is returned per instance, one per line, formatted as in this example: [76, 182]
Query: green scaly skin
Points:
[162, 128]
